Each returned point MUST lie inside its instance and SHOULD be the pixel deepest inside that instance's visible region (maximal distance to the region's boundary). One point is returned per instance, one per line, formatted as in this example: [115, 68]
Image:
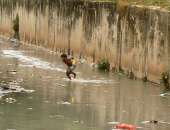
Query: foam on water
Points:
[94, 81]
[30, 61]
[164, 94]
[14, 89]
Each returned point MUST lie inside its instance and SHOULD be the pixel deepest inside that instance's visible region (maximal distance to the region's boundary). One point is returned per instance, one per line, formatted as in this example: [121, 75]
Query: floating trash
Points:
[30, 108]
[64, 103]
[113, 123]
[46, 101]
[117, 129]
[75, 121]
[28, 91]
[56, 116]
[12, 72]
[10, 100]
[154, 122]
[125, 126]
[164, 94]
[60, 85]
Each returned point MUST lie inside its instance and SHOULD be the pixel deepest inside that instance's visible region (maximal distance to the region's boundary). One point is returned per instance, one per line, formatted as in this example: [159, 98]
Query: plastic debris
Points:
[46, 101]
[113, 123]
[125, 126]
[64, 103]
[30, 108]
[164, 94]
[56, 116]
[10, 100]
[75, 121]
[155, 122]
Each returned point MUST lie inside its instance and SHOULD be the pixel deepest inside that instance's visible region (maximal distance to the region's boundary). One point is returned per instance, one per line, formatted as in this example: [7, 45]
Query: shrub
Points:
[165, 79]
[103, 65]
[16, 27]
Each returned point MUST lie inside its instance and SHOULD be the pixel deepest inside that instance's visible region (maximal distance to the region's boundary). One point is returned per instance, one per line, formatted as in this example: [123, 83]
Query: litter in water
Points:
[12, 72]
[46, 101]
[56, 116]
[60, 85]
[154, 122]
[30, 108]
[164, 94]
[113, 123]
[10, 100]
[64, 103]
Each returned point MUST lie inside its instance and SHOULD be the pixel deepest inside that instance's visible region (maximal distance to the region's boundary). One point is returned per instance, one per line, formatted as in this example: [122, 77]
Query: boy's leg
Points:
[68, 72]
[72, 68]
[73, 74]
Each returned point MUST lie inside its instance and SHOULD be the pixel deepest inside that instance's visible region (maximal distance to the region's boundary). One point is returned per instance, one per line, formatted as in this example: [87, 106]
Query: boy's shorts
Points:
[71, 68]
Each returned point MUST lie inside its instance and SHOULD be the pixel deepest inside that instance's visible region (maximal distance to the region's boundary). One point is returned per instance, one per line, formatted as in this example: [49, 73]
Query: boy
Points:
[70, 62]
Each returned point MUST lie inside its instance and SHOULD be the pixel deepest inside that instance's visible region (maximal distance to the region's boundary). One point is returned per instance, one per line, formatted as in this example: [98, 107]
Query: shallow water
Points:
[89, 102]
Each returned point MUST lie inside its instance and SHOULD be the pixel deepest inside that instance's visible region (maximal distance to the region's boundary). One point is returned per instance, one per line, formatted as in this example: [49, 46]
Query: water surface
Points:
[87, 103]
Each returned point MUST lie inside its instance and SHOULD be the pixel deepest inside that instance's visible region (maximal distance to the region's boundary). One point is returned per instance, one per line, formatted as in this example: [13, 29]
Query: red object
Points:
[125, 126]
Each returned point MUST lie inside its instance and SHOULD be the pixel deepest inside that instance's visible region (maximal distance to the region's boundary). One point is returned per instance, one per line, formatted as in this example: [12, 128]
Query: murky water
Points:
[87, 103]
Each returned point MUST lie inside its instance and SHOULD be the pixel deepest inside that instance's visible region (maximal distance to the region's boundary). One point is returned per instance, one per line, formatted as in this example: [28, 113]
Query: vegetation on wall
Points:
[103, 65]
[16, 27]
[165, 79]
[161, 3]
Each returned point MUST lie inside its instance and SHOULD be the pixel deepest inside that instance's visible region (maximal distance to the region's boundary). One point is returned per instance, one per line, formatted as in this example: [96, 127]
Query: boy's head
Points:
[63, 56]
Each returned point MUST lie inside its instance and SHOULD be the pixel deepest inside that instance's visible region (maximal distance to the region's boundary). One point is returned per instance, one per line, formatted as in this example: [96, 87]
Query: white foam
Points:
[14, 89]
[145, 122]
[64, 103]
[89, 81]
[113, 123]
[164, 94]
[30, 61]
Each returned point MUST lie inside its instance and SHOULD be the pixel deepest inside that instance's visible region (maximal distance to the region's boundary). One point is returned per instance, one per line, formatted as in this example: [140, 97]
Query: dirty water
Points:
[42, 98]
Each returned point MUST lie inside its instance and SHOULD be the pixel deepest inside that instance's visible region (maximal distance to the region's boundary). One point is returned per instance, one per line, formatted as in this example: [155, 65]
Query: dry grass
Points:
[160, 3]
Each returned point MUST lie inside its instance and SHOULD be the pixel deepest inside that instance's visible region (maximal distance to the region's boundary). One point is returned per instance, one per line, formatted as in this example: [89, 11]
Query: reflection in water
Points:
[86, 104]
[136, 40]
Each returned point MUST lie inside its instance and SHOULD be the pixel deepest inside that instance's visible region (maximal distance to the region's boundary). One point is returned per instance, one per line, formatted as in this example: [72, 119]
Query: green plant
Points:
[165, 79]
[103, 65]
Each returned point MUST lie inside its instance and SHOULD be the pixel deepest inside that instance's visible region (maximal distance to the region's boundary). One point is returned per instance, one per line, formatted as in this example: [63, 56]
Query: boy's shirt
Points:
[68, 62]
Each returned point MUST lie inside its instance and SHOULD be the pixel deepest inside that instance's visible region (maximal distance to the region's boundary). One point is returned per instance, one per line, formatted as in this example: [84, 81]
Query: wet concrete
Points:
[87, 103]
